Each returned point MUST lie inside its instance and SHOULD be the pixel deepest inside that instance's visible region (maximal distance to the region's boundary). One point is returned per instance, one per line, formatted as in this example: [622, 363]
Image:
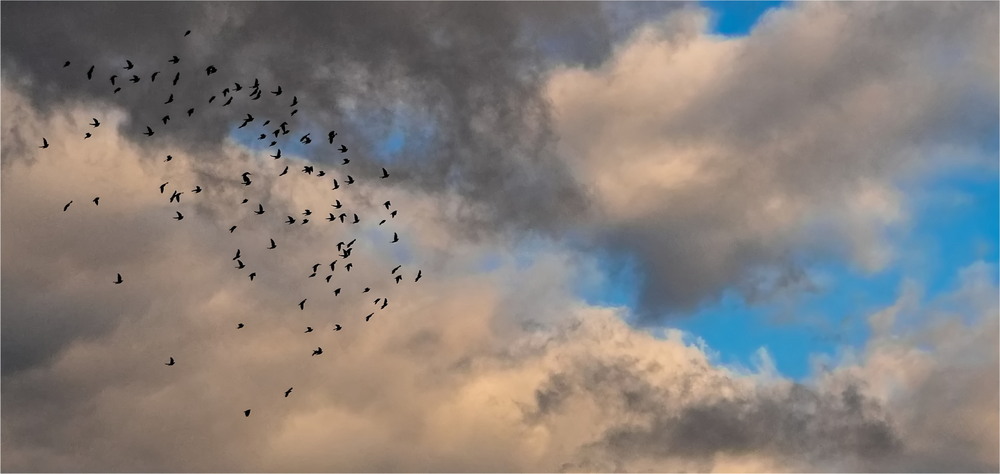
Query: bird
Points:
[165, 119]
[295, 111]
[169, 157]
[381, 222]
[307, 169]
[385, 174]
[95, 123]
[228, 102]
[343, 149]
[336, 185]
[119, 280]
[116, 90]
[253, 275]
[67, 64]
[309, 329]
[330, 136]
[67, 206]
[346, 161]
[328, 277]
[277, 92]
[307, 213]
[272, 244]
[169, 99]
[113, 76]
[295, 100]
[134, 79]
[96, 199]
[239, 326]
[318, 351]
[337, 205]
[284, 172]
[231, 229]
[385, 303]
[45, 143]
[366, 290]
[246, 178]
[179, 215]
[246, 121]
[419, 272]
[246, 412]
[90, 73]
[196, 190]
[237, 254]
[225, 92]
[244, 201]
[210, 70]
[356, 219]
[351, 242]
[336, 292]
[128, 65]
[240, 264]
[172, 363]
[148, 132]
[315, 267]
[237, 87]
[386, 204]
[152, 77]
[210, 99]
[190, 112]
[260, 209]
[302, 304]
[350, 179]
[87, 135]
[290, 221]
[163, 186]
[288, 391]
[394, 269]
[277, 155]
[395, 238]
[332, 264]
[177, 77]
[348, 266]
[175, 196]
[174, 60]
[187, 32]
[331, 218]
[312, 275]
[337, 327]
[398, 277]
[369, 316]
[305, 139]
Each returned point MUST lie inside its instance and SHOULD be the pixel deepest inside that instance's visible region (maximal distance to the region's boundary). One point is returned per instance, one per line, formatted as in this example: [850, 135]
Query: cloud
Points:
[715, 160]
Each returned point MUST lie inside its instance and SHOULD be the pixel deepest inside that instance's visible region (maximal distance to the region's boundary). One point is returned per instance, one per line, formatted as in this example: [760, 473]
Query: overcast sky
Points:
[651, 237]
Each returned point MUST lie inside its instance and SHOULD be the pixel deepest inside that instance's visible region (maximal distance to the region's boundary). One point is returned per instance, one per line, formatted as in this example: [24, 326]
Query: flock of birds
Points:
[254, 92]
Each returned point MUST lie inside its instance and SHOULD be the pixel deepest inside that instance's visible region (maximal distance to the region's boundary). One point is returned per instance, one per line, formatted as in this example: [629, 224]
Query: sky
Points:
[711, 237]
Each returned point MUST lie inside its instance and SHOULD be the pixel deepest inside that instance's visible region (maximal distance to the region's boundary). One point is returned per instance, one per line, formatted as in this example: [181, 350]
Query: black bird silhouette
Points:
[336, 185]
[190, 112]
[343, 149]
[295, 100]
[336, 292]
[210, 99]
[350, 179]
[45, 143]
[152, 77]
[179, 215]
[169, 99]
[330, 135]
[349, 244]
[165, 119]
[256, 83]
[95, 123]
[398, 277]
[395, 238]
[315, 267]
[262, 136]
[328, 277]
[90, 73]
[295, 111]
[302, 304]
[244, 201]
[255, 95]
[177, 77]
[148, 132]
[231, 229]
[331, 218]
[128, 64]
[385, 174]
[240, 265]
[134, 79]
[176, 195]
[196, 190]
[386, 204]
[288, 391]
[237, 254]
[307, 213]
[175, 60]
[67, 64]
[67, 206]
[119, 280]
[96, 199]
[356, 219]
[332, 264]
[337, 327]
[260, 209]
[381, 222]
[116, 90]
[210, 70]
[237, 87]
[309, 329]
[338, 205]
[305, 139]
[246, 178]
[419, 272]
[394, 269]
[284, 172]
[291, 220]
[239, 326]
[172, 363]
[342, 216]
[277, 92]
[393, 213]
[187, 32]
[277, 155]
[246, 121]
[307, 169]
[369, 316]
[169, 157]
[164, 185]
[247, 413]
[346, 161]
[113, 76]
[318, 351]
[312, 275]
[348, 266]
[273, 143]
[366, 290]
[265, 123]
[225, 92]
[87, 135]
[272, 244]
[385, 303]
[228, 102]
[253, 275]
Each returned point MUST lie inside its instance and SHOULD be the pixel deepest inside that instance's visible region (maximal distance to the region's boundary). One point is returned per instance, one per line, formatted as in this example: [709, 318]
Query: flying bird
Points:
[246, 178]
[385, 303]
[165, 119]
[277, 155]
[231, 229]
[240, 264]
[113, 76]
[116, 90]
[337, 327]
[331, 218]
[237, 254]
[228, 102]
[309, 329]
[210, 99]
[176, 195]
[302, 304]
[394, 269]
[152, 77]
[295, 111]
[343, 149]
[148, 132]
[175, 60]
[295, 100]
[386, 204]
[169, 157]
[169, 99]
[356, 219]
[96, 199]
[346, 161]
[253, 275]
[128, 64]
[172, 363]
[67, 206]
[95, 123]
[45, 143]
[87, 135]
[336, 185]
[290, 221]
[277, 92]
[196, 190]
[318, 351]
[260, 209]
[119, 280]
[210, 70]
[348, 266]
[134, 79]
[163, 186]
[67, 64]
[385, 174]
[419, 272]
[239, 326]
[247, 413]
[338, 205]
[190, 112]
[369, 316]
[305, 139]
[307, 213]
[330, 136]
[328, 277]
[395, 238]
[288, 391]
[284, 172]
[272, 245]
[398, 277]
[350, 179]
[336, 292]
[179, 215]
[187, 33]
[90, 73]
